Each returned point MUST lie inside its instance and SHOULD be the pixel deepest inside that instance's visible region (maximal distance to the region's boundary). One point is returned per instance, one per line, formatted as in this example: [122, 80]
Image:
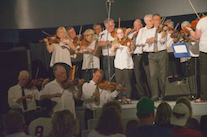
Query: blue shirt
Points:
[151, 131]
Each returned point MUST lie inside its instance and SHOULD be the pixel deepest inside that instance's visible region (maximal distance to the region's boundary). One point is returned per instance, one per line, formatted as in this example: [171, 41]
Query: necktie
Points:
[155, 43]
[24, 101]
[97, 101]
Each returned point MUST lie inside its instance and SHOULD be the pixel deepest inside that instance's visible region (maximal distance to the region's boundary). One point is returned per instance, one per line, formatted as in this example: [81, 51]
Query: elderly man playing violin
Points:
[107, 34]
[94, 97]
[22, 97]
[62, 92]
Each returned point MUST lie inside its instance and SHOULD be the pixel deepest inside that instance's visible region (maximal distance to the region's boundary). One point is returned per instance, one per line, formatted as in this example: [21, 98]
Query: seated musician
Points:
[24, 97]
[94, 97]
[91, 63]
[60, 51]
[60, 91]
[123, 63]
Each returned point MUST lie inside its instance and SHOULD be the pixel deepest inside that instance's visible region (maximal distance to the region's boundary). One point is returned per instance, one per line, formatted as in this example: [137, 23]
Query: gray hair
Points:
[169, 21]
[147, 16]
[106, 21]
[185, 23]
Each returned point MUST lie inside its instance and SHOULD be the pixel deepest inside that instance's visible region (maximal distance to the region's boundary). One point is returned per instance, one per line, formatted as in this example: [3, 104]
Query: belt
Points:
[138, 54]
[157, 51]
[110, 56]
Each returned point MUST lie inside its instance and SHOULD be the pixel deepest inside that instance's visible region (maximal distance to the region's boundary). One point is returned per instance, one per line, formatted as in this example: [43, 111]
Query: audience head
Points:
[110, 23]
[62, 33]
[163, 114]
[156, 20]
[64, 124]
[110, 122]
[113, 103]
[131, 126]
[13, 122]
[47, 106]
[71, 32]
[186, 101]
[180, 115]
[16, 109]
[97, 28]
[23, 78]
[89, 35]
[98, 76]
[145, 109]
[148, 20]
[137, 24]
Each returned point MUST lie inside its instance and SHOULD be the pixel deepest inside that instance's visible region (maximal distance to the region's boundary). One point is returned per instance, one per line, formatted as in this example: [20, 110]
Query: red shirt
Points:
[185, 132]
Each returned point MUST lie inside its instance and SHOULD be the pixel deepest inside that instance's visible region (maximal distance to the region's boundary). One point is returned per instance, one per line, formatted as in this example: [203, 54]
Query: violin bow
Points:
[80, 33]
[119, 22]
[194, 9]
[46, 33]
[109, 81]
[177, 26]
[163, 19]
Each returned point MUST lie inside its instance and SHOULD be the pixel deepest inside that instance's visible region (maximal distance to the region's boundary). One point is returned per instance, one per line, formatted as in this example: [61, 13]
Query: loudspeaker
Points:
[176, 88]
[12, 62]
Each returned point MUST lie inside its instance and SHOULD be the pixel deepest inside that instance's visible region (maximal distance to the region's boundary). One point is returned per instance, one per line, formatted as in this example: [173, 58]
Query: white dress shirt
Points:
[123, 58]
[103, 37]
[88, 98]
[15, 92]
[90, 61]
[60, 54]
[145, 34]
[169, 43]
[201, 25]
[66, 101]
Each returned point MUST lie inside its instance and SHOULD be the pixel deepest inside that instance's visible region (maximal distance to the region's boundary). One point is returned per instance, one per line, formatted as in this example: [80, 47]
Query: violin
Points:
[160, 28]
[124, 42]
[52, 39]
[77, 39]
[113, 33]
[109, 85]
[85, 43]
[31, 83]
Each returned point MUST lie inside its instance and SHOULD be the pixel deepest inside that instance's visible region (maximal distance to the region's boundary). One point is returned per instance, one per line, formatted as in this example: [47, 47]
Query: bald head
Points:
[24, 73]
[23, 78]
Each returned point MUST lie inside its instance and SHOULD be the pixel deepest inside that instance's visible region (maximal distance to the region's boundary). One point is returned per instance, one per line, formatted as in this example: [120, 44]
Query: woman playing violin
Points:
[123, 63]
[90, 62]
[60, 51]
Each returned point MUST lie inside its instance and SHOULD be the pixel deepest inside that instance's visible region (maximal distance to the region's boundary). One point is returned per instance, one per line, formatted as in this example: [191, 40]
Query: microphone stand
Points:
[109, 73]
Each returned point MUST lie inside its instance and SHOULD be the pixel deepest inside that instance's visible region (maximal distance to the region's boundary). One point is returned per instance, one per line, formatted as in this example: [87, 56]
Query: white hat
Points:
[180, 115]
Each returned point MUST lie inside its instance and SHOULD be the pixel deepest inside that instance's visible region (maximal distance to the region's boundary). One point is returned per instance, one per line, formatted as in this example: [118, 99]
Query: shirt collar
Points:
[19, 87]
[92, 82]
